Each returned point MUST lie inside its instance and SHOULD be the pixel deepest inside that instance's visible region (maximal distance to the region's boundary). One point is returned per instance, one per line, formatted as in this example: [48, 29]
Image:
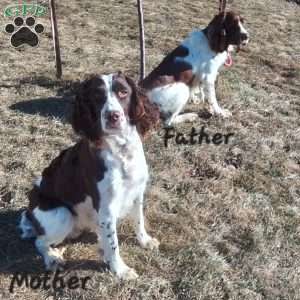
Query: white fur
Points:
[121, 194]
[206, 64]
[172, 97]
[58, 223]
[86, 219]
[112, 104]
[243, 30]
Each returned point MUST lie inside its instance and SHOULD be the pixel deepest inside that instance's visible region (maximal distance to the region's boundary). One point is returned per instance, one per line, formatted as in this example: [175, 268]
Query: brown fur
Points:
[223, 30]
[87, 107]
[86, 112]
[168, 71]
[144, 114]
[150, 119]
[69, 178]
[73, 174]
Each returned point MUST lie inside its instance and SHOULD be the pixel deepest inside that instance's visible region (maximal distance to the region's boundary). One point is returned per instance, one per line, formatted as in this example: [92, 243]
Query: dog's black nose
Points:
[114, 116]
[244, 36]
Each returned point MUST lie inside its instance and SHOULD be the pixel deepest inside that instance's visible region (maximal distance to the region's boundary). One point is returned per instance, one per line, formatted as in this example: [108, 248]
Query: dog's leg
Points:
[181, 100]
[209, 90]
[108, 228]
[53, 257]
[171, 120]
[57, 224]
[145, 240]
[100, 243]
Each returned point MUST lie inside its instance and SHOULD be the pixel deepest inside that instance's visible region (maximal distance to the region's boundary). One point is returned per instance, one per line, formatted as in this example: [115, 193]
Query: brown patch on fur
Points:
[73, 175]
[89, 100]
[170, 70]
[224, 30]
[91, 97]
[69, 179]
[151, 117]
[144, 114]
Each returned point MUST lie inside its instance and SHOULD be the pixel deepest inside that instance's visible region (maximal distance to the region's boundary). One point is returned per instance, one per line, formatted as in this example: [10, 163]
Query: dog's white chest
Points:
[134, 174]
[205, 62]
[125, 178]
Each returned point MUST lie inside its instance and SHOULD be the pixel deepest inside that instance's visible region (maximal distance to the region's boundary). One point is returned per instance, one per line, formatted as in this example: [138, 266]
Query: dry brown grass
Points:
[229, 231]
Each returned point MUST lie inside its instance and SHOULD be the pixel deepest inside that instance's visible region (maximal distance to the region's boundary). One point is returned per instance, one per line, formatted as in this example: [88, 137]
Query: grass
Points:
[228, 216]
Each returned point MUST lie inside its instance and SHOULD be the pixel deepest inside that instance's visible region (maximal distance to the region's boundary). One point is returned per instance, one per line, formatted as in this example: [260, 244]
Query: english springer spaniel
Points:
[99, 180]
[191, 69]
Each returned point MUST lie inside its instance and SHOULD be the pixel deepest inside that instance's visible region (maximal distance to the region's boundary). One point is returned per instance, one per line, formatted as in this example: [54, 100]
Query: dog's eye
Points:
[123, 94]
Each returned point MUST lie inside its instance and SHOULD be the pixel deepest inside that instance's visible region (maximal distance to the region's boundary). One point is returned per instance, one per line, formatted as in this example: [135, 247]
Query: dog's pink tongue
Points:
[228, 62]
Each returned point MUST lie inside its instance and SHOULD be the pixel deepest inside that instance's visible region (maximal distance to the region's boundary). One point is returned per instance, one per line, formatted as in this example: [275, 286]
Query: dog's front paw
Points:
[149, 243]
[54, 260]
[226, 113]
[126, 273]
[220, 112]
[152, 244]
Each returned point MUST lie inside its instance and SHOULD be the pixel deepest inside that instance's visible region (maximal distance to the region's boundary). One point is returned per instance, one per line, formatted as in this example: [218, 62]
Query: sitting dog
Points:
[191, 69]
[99, 180]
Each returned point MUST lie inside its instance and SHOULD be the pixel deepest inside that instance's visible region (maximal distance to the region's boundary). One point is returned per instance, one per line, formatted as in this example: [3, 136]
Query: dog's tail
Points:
[26, 226]
[27, 223]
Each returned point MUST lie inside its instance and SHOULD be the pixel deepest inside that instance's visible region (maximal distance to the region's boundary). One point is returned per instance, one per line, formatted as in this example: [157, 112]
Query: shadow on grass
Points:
[54, 107]
[21, 256]
[16, 255]
[58, 106]
[86, 265]
[62, 87]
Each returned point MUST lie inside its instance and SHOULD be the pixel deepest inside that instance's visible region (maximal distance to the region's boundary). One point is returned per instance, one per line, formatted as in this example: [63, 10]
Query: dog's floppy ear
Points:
[85, 118]
[142, 113]
[136, 108]
[217, 33]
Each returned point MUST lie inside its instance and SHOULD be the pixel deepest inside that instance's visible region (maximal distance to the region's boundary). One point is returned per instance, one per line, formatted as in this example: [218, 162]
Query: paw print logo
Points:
[24, 32]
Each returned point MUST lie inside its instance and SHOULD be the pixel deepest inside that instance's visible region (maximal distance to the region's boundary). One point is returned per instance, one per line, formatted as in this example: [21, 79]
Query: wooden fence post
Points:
[55, 39]
[142, 40]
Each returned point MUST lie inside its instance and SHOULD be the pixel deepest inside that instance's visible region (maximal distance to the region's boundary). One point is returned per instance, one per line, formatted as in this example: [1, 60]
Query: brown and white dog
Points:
[191, 69]
[99, 180]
